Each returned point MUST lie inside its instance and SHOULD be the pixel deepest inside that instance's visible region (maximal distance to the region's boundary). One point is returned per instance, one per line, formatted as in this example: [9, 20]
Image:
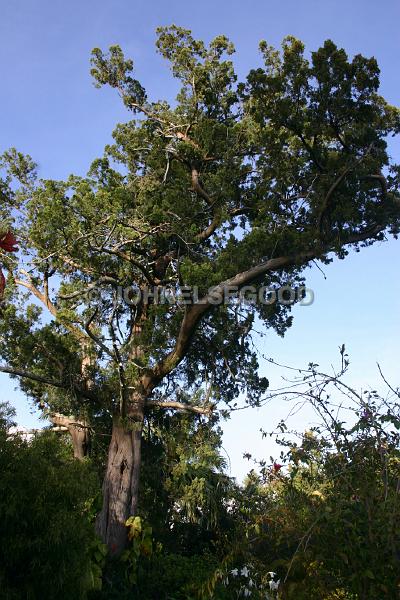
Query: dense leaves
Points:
[328, 525]
[320, 524]
[45, 535]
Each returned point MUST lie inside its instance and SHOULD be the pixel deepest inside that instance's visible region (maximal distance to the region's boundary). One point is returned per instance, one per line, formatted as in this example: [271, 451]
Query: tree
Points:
[235, 184]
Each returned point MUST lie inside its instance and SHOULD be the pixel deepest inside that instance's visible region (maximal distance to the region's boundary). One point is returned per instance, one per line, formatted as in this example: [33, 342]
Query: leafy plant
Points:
[45, 536]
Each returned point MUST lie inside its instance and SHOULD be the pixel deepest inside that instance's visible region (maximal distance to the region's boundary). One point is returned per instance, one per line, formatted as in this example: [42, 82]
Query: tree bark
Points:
[80, 441]
[78, 430]
[121, 482]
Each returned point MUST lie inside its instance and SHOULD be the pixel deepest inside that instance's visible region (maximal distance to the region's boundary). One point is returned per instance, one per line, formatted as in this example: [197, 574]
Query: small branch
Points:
[207, 233]
[45, 381]
[94, 337]
[329, 195]
[121, 373]
[337, 182]
[381, 179]
[395, 392]
[32, 376]
[117, 252]
[237, 212]
[43, 297]
[197, 187]
[67, 421]
[311, 151]
[180, 406]
[216, 220]
[92, 286]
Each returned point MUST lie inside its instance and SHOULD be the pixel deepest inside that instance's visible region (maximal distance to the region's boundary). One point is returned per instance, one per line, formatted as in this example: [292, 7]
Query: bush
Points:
[45, 534]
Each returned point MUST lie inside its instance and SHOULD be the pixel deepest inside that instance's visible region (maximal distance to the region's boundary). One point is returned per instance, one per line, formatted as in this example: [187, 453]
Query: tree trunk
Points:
[78, 430]
[121, 482]
[80, 441]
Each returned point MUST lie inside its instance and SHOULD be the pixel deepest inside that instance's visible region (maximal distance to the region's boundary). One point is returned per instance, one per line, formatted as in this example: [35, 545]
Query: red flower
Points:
[276, 467]
[8, 242]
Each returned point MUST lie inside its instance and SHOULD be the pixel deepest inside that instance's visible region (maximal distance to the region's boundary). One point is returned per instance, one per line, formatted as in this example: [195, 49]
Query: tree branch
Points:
[89, 288]
[45, 381]
[336, 184]
[43, 297]
[117, 252]
[216, 295]
[208, 231]
[381, 179]
[197, 187]
[67, 421]
[329, 195]
[94, 337]
[216, 220]
[32, 376]
[194, 312]
[180, 406]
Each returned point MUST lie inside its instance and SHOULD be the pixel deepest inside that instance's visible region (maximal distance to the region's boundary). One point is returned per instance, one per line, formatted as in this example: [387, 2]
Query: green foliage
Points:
[164, 576]
[45, 534]
[97, 552]
[177, 577]
[324, 527]
[183, 486]
[7, 414]
[329, 526]
[141, 544]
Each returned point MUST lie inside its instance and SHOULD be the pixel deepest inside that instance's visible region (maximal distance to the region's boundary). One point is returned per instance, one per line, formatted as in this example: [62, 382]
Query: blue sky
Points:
[50, 109]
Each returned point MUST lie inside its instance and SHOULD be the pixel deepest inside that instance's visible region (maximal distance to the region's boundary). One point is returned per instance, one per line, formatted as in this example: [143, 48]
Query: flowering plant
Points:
[8, 243]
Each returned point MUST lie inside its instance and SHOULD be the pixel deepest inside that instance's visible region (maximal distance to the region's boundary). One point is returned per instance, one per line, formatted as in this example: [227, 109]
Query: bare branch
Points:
[206, 410]
[391, 388]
